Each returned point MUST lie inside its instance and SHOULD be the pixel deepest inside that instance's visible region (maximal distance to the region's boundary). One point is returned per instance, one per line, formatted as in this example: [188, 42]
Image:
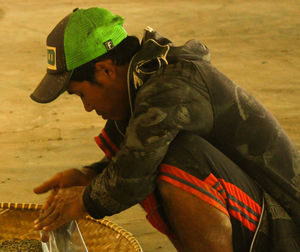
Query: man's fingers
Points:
[49, 217]
[54, 225]
[50, 199]
[45, 213]
[62, 206]
[46, 224]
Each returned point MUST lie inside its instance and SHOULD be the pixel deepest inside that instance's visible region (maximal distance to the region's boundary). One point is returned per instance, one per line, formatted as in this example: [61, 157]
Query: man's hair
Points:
[120, 55]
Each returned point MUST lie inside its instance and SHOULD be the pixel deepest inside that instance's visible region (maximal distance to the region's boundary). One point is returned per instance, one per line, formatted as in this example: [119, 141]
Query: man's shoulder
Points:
[181, 75]
[177, 75]
[175, 83]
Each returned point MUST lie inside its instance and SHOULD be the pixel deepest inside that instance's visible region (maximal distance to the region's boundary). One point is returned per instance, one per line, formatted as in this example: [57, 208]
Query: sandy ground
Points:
[256, 43]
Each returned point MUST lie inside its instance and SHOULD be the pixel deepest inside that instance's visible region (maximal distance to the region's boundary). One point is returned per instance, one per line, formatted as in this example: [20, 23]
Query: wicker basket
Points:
[99, 235]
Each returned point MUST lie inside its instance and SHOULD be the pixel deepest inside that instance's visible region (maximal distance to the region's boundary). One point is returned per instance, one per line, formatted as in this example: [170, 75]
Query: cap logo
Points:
[51, 57]
[109, 45]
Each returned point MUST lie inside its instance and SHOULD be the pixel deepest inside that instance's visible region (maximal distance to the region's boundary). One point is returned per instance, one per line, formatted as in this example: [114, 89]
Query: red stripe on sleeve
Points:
[107, 139]
[103, 147]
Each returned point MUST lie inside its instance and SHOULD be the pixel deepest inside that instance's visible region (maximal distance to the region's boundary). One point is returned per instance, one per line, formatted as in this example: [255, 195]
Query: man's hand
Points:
[65, 205]
[68, 178]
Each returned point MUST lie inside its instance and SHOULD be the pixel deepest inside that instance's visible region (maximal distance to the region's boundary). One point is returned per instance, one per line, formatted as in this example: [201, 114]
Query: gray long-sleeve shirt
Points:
[176, 89]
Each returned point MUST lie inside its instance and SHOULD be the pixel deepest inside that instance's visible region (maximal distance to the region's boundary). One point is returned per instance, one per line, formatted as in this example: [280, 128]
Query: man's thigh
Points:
[197, 225]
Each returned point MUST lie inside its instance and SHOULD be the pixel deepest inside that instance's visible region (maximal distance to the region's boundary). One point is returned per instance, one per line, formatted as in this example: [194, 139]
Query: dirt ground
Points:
[256, 43]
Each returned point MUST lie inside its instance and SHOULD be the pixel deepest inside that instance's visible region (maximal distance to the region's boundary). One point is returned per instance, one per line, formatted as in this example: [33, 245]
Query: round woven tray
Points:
[99, 235]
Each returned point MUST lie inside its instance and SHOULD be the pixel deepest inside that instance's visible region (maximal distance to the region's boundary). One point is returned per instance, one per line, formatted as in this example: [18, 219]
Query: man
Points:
[210, 165]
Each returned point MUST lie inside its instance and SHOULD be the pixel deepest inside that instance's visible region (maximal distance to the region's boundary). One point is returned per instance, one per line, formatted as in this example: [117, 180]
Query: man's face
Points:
[107, 96]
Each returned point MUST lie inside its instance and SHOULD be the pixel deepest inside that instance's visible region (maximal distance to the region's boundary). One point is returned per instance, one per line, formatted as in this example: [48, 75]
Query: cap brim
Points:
[51, 86]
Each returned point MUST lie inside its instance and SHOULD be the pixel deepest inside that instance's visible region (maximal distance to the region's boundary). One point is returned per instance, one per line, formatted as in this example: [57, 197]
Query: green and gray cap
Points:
[77, 39]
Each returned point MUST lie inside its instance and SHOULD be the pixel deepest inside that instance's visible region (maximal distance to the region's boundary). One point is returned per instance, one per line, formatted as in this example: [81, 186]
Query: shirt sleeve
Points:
[99, 166]
[164, 106]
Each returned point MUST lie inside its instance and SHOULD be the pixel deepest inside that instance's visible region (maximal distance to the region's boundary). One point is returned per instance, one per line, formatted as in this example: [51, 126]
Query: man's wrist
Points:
[93, 208]
[89, 173]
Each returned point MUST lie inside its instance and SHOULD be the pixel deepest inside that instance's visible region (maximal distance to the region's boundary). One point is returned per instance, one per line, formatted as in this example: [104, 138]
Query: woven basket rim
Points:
[115, 227]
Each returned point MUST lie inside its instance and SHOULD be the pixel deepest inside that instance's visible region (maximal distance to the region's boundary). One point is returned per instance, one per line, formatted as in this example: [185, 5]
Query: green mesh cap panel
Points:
[91, 33]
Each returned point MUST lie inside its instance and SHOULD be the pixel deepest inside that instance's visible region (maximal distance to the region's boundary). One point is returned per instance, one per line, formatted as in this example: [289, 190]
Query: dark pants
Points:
[197, 167]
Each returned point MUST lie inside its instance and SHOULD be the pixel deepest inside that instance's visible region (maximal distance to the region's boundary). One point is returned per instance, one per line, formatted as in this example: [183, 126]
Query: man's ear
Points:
[107, 68]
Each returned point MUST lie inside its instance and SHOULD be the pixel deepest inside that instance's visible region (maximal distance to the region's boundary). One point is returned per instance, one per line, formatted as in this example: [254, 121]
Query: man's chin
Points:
[105, 117]
[114, 118]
